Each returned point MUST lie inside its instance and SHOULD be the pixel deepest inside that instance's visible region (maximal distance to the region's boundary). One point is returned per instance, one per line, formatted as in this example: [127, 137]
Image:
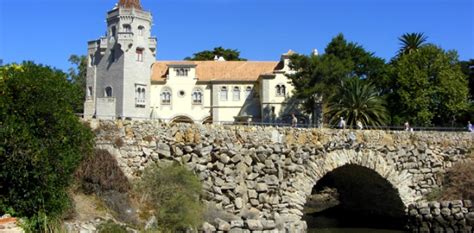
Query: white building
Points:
[125, 81]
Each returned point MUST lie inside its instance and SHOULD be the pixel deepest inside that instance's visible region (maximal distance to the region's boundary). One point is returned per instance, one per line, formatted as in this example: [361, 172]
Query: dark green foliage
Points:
[172, 192]
[321, 75]
[428, 87]
[100, 173]
[111, 227]
[77, 76]
[208, 55]
[357, 100]
[469, 72]
[41, 141]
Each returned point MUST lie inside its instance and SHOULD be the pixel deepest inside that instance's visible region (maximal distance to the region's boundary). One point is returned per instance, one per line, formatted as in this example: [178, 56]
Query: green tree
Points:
[41, 142]
[77, 76]
[209, 55]
[429, 87]
[411, 42]
[357, 100]
[321, 75]
[173, 193]
[469, 72]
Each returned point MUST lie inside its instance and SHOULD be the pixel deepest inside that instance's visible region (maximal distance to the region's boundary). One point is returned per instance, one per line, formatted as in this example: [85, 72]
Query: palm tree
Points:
[411, 42]
[357, 100]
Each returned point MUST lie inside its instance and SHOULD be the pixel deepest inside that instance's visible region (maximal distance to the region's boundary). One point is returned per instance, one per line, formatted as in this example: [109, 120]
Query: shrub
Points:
[100, 173]
[111, 227]
[459, 182]
[41, 142]
[172, 192]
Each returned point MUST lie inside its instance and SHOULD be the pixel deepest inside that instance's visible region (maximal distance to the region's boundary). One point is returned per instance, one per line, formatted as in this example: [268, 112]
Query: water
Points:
[353, 230]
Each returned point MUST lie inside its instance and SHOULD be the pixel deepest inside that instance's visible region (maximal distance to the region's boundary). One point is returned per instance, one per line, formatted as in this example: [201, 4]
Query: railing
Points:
[305, 126]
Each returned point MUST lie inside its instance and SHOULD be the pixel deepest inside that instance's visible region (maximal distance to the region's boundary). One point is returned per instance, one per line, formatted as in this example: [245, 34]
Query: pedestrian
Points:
[407, 126]
[342, 123]
[294, 120]
[359, 125]
[470, 127]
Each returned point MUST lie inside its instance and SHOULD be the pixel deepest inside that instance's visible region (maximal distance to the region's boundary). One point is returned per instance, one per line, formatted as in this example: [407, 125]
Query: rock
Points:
[222, 225]
[208, 228]
[268, 224]
[237, 158]
[238, 203]
[237, 223]
[252, 193]
[224, 158]
[163, 149]
[261, 187]
[205, 151]
[254, 225]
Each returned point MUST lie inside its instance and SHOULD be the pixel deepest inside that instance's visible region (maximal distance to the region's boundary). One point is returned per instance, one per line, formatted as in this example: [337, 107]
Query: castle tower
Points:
[119, 65]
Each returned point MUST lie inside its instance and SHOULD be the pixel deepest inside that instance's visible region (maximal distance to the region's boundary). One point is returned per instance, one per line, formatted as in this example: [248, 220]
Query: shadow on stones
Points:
[353, 196]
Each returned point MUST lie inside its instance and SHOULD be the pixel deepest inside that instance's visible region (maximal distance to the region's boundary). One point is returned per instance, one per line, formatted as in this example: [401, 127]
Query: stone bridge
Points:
[262, 176]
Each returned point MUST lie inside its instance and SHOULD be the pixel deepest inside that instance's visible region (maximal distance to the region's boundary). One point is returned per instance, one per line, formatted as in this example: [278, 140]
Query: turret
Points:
[120, 65]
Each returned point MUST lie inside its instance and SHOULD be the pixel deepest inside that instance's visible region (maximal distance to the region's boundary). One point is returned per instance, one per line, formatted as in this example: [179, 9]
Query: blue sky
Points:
[48, 31]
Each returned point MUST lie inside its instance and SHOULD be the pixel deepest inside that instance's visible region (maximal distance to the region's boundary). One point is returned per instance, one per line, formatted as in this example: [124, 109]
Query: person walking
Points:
[470, 127]
[342, 123]
[359, 125]
[407, 126]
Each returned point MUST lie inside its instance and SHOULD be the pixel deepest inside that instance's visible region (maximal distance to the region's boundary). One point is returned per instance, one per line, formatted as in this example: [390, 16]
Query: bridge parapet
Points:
[270, 172]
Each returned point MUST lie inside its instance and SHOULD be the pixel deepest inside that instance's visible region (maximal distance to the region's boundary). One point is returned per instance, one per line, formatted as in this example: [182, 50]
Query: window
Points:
[91, 60]
[166, 96]
[112, 55]
[140, 95]
[181, 93]
[89, 91]
[236, 94]
[248, 91]
[113, 30]
[280, 90]
[183, 72]
[127, 28]
[197, 97]
[223, 93]
[140, 55]
[141, 30]
[108, 92]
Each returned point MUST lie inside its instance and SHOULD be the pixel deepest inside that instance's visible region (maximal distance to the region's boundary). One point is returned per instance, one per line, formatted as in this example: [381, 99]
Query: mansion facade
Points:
[125, 81]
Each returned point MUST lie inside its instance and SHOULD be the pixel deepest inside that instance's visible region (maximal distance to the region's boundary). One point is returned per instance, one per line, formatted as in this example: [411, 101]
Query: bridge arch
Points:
[182, 119]
[401, 181]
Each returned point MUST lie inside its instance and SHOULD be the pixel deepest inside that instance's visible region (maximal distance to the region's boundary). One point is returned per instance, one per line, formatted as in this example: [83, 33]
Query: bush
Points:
[100, 173]
[172, 193]
[111, 227]
[459, 182]
[42, 142]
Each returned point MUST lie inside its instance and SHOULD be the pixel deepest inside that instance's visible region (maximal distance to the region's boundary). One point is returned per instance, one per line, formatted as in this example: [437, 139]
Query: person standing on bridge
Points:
[294, 120]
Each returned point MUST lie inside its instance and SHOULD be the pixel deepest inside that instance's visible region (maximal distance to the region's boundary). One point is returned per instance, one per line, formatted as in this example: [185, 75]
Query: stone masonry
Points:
[261, 176]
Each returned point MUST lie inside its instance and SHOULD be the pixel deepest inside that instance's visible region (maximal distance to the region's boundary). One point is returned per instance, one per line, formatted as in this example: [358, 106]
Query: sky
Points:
[49, 31]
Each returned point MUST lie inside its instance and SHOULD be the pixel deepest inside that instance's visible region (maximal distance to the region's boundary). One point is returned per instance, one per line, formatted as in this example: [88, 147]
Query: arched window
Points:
[141, 30]
[127, 28]
[236, 94]
[223, 93]
[197, 96]
[248, 91]
[140, 99]
[89, 91]
[166, 96]
[108, 92]
[280, 90]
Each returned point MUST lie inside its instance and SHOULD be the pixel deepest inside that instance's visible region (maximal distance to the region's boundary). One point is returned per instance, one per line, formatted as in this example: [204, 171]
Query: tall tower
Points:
[119, 65]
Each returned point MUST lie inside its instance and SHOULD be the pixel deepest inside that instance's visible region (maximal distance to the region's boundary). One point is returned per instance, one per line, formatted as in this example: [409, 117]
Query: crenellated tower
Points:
[119, 65]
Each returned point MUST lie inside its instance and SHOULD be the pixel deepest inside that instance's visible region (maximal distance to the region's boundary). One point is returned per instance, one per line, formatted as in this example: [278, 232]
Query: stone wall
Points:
[446, 216]
[262, 176]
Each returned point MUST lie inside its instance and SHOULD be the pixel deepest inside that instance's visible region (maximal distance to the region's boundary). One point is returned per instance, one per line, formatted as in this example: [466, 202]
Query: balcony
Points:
[139, 102]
